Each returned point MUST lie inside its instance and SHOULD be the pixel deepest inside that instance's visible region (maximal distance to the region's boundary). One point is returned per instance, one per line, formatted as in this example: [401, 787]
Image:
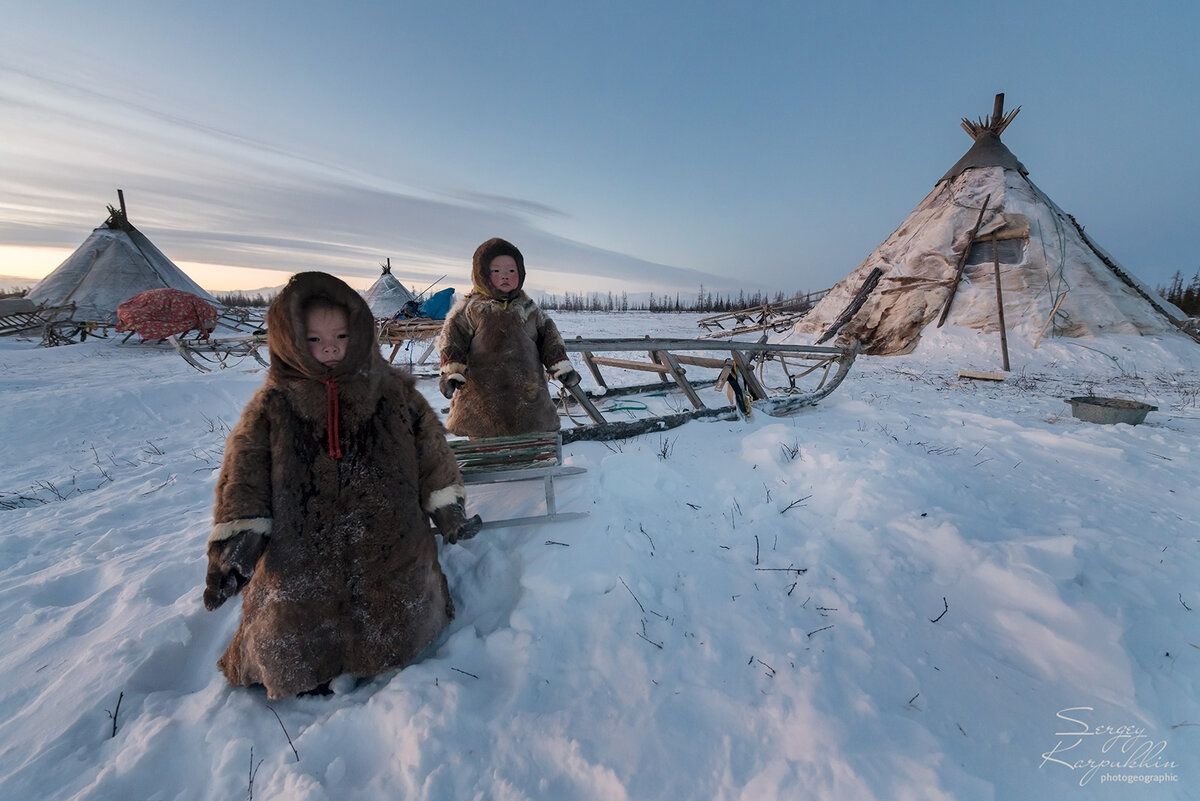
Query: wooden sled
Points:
[527, 457]
[740, 368]
[205, 354]
[412, 330]
[22, 315]
[777, 317]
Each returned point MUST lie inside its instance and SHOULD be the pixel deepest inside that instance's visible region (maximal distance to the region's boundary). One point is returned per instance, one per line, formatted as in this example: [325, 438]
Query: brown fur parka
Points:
[502, 344]
[346, 579]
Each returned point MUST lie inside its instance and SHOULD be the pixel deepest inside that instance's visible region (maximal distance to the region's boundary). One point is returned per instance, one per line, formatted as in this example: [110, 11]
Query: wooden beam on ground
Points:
[981, 376]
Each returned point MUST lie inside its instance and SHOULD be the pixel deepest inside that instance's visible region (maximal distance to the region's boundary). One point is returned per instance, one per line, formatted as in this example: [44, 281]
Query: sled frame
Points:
[525, 457]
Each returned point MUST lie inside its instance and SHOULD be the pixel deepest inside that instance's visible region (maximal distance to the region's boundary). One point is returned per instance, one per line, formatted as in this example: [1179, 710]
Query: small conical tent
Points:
[112, 265]
[940, 265]
[387, 295]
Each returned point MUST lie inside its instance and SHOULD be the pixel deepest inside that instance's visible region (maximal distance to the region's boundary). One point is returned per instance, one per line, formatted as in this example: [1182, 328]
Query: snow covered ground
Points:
[922, 588]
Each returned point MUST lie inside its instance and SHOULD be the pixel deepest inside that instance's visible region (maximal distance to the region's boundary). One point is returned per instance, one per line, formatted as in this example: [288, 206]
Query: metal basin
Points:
[1109, 410]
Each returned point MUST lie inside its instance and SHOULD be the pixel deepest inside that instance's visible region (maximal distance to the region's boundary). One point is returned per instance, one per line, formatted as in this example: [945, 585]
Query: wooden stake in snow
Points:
[1000, 301]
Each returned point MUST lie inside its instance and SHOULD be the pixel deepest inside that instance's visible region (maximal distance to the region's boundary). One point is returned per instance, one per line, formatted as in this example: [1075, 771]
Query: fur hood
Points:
[287, 332]
[481, 263]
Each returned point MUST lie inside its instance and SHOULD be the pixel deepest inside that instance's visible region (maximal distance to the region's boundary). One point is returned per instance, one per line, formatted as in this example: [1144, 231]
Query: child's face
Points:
[504, 274]
[327, 335]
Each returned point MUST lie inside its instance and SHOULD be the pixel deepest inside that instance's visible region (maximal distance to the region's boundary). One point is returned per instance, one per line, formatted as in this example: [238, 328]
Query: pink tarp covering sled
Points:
[160, 313]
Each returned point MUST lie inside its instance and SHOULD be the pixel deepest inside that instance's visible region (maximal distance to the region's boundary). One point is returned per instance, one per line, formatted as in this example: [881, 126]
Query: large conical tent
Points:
[940, 265]
[112, 265]
[387, 295]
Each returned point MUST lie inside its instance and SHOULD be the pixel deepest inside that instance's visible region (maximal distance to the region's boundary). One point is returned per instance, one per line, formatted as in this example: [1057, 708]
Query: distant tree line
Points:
[705, 302]
[1187, 298]
[242, 299]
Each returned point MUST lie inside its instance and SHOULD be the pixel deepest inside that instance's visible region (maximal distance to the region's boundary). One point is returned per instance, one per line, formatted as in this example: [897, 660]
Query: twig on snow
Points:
[823, 628]
[253, 772]
[635, 598]
[794, 503]
[1185, 606]
[285, 732]
[642, 529]
[944, 611]
[114, 713]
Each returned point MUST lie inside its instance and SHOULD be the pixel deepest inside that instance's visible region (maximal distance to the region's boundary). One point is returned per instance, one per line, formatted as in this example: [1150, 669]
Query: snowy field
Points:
[923, 588]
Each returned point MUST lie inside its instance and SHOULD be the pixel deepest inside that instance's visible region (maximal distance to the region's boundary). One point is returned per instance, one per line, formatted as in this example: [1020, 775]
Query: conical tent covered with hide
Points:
[387, 295]
[940, 265]
[112, 265]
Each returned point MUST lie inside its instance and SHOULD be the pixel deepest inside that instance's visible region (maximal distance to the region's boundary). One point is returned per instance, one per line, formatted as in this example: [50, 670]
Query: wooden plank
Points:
[981, 376]
[579, 345]
[590, 361]
[676, 372]
[519, 474]
[628, 364]
[746, 371]
[701, 361]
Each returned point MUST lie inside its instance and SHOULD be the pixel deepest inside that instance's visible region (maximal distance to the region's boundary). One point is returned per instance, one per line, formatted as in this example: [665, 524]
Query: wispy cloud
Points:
[210, 195]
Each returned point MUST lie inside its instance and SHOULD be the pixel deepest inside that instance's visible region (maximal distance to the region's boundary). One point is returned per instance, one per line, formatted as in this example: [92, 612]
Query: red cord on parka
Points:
[331, 418]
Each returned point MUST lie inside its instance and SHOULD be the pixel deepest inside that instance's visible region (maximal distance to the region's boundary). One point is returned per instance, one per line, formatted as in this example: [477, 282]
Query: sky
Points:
[623, 146]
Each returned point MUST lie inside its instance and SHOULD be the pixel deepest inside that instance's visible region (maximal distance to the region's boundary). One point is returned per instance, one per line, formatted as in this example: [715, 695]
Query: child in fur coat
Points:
[496, 347]
[324, 501]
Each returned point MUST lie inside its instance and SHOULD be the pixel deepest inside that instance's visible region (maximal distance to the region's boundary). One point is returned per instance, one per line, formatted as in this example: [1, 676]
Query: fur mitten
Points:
[450, 383]
[565, 374]
[452, 521]
[230, 565]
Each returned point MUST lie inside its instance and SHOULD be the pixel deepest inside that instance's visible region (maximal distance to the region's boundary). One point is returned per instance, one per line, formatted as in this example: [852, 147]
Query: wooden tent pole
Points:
[121, 198]
[962, 263]
[1053, 312]
[1000, 301]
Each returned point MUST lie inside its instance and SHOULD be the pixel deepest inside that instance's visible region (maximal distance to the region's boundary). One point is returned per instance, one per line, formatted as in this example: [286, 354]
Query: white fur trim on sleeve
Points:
[561, 367]
[446, 496]
[454, 368]
[223, 531]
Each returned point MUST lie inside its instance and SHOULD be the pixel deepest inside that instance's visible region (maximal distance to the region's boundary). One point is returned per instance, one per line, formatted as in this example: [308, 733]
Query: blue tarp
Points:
[437, 305]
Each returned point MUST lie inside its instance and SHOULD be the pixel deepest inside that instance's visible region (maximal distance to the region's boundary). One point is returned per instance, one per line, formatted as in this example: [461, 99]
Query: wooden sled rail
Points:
[525, 457]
